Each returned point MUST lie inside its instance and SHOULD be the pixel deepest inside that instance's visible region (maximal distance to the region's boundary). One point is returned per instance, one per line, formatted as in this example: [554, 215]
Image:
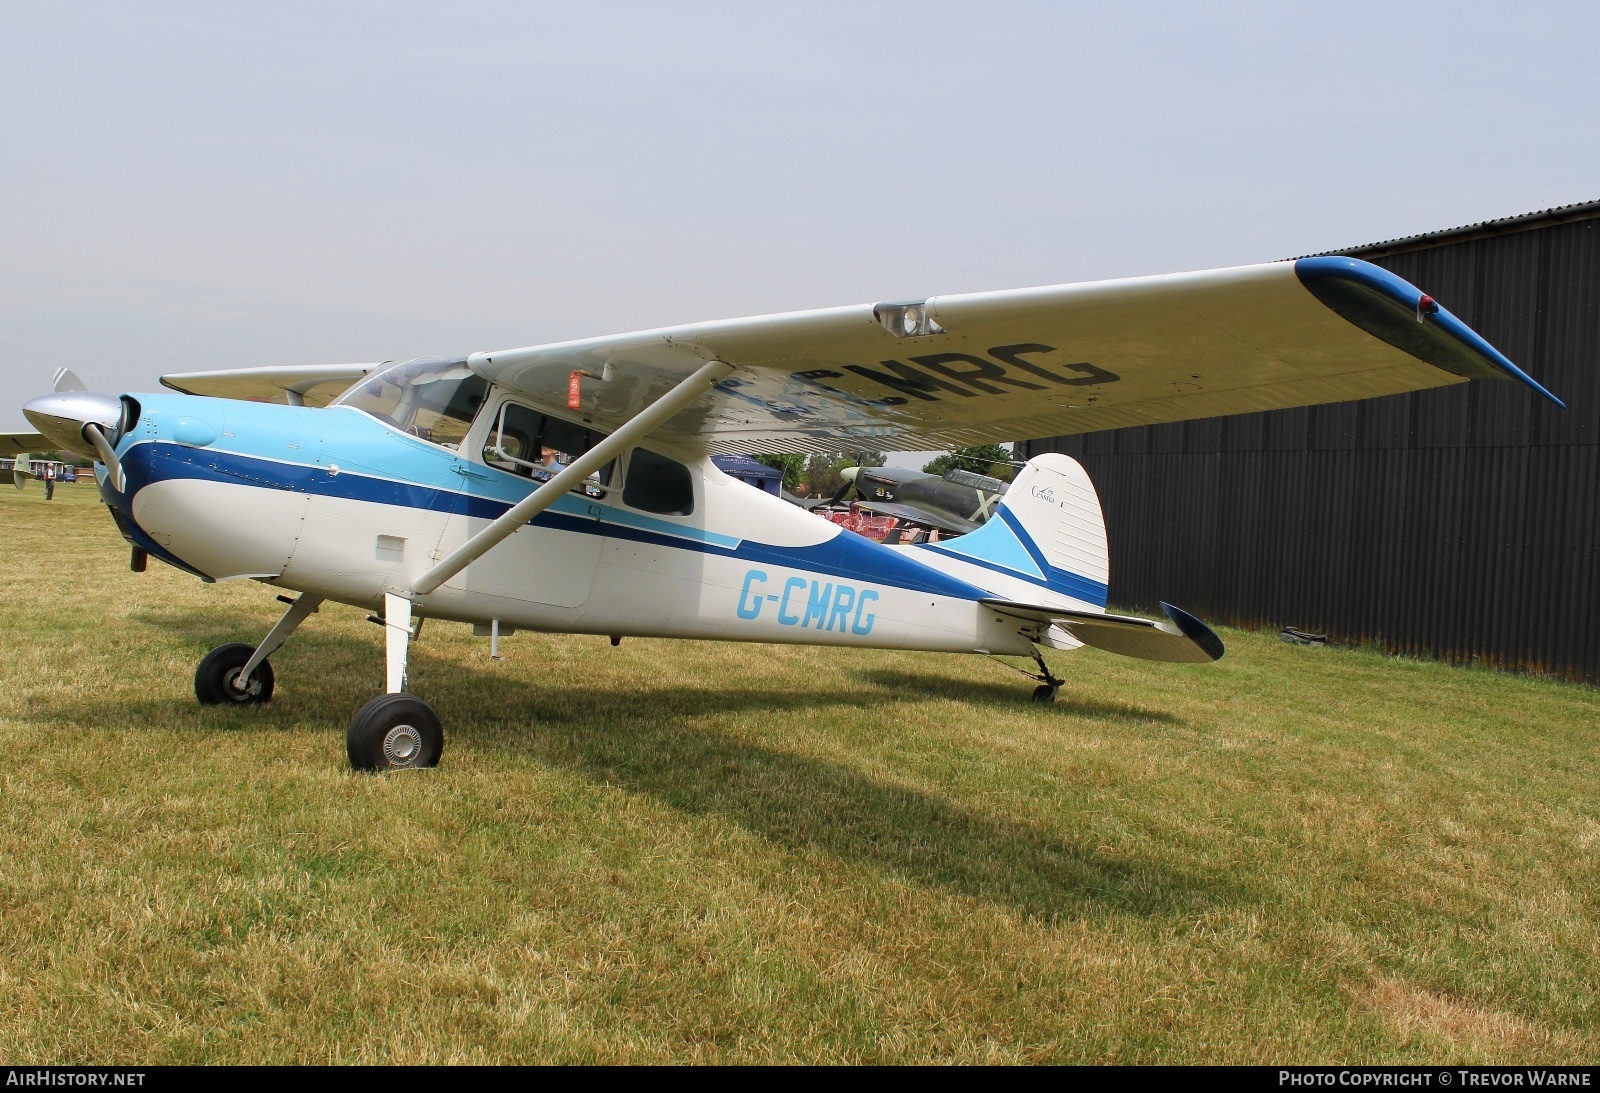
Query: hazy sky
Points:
[210, 185]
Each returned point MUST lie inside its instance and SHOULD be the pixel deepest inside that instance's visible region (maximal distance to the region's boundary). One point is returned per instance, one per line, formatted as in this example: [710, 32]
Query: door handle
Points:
[470, 470]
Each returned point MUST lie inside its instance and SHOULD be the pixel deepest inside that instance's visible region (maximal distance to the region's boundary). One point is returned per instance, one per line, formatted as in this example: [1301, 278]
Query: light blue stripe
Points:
[1053, 577]
[356, 442]
[628, 518]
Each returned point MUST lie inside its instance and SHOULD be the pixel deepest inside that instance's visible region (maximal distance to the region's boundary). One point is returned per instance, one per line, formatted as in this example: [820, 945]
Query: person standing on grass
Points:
[49, 482]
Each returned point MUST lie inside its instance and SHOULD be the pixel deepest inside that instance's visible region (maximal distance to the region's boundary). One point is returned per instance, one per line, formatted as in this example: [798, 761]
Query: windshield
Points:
[433, 399]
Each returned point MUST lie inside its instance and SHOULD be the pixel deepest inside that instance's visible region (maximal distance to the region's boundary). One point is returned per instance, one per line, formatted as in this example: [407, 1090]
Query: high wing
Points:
[302, 385]
[15, 444]
[997, 366]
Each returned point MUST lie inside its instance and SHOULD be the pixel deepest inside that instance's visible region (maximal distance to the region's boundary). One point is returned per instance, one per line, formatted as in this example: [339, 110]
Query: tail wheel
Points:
[216, 680]
[395, 732]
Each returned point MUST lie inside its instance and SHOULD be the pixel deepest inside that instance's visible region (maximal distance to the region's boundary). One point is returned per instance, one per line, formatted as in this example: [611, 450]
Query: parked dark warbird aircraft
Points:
[956, 502]
[569, 487]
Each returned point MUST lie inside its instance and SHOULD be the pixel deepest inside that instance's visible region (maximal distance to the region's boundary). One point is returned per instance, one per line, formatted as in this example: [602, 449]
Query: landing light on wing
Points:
[907, 320]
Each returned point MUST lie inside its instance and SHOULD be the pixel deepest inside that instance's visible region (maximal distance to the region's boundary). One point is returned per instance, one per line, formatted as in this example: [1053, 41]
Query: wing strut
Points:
[639, 427]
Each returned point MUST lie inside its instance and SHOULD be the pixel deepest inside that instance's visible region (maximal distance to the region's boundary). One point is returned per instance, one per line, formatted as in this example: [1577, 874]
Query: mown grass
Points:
[727, 853]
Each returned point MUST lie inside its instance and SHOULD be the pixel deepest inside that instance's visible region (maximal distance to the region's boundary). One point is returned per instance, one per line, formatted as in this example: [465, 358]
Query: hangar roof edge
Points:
[1505, 225]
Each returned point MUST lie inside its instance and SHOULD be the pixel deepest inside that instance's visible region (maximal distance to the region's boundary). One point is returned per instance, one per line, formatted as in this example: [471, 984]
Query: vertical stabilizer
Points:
[1048, 534]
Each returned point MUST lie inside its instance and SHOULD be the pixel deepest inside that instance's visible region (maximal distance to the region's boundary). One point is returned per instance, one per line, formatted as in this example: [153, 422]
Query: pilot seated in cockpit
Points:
[550, 465]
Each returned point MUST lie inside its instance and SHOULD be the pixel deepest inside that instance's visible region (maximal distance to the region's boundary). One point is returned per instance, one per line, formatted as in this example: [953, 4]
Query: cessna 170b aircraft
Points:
[432, 489]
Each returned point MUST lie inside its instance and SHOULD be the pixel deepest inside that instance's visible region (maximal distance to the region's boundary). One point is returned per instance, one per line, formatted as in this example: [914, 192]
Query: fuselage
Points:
[337, 503]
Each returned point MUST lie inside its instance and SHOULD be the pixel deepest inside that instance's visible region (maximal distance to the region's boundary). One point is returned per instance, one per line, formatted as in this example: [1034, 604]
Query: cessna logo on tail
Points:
[964, 374]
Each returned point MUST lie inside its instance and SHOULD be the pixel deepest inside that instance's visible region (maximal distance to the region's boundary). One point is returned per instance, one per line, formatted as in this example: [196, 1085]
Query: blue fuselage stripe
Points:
[845, 555]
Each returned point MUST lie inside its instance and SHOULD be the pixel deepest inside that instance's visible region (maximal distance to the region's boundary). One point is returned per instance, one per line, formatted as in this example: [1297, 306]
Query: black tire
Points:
[213, 679]
[1045, 692]
[395, 732]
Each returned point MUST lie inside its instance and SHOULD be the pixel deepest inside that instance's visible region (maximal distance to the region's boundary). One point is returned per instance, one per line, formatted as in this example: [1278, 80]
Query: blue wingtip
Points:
[1390, 308]
[1529, 380]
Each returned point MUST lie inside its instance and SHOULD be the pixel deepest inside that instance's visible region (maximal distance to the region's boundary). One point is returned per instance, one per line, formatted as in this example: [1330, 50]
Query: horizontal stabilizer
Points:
[15, 444]
[1184, 640]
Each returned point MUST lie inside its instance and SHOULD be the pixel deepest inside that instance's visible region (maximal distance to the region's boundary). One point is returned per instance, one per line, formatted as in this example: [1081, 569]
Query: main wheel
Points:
[395, 732]
[215, 678]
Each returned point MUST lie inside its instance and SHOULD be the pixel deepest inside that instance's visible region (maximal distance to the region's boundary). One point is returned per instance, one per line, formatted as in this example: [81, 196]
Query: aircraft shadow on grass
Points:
[1005, 693]
[644, 739]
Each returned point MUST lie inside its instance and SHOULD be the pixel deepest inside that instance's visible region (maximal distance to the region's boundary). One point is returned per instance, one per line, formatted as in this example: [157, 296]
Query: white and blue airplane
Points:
[569, 487]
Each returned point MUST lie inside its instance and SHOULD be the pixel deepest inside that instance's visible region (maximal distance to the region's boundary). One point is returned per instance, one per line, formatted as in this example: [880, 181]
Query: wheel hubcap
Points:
[230, 684]
[401, 745]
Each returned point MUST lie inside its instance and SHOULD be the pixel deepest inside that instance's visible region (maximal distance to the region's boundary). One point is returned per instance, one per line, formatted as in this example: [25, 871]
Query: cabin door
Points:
[552, 560]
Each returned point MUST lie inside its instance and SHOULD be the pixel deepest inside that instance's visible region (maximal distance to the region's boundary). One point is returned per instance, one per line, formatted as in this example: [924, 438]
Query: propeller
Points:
[67, 380]
[74, 415]
[108, 455]
[849, 476]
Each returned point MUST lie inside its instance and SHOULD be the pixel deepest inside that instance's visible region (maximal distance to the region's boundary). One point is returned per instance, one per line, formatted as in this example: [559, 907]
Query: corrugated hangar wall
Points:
[1461, 523]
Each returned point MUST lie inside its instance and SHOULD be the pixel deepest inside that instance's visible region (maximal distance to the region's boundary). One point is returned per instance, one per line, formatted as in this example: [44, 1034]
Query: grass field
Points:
[745, 853]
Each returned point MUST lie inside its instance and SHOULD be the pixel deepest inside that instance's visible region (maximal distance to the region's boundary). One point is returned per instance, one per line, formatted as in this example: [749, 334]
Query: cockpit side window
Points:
[515, 440]
[526, 442]
[658, 484]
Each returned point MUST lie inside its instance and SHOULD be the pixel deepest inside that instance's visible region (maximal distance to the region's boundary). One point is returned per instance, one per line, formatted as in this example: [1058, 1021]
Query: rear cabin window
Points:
[658, 484]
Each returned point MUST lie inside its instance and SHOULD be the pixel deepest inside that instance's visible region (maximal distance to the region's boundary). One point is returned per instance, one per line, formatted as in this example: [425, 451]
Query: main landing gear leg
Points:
[1048, 684]
[238, 673]
[395, 730]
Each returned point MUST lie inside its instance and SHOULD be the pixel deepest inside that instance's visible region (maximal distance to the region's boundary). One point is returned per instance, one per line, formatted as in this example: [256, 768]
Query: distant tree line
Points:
[993, 460]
